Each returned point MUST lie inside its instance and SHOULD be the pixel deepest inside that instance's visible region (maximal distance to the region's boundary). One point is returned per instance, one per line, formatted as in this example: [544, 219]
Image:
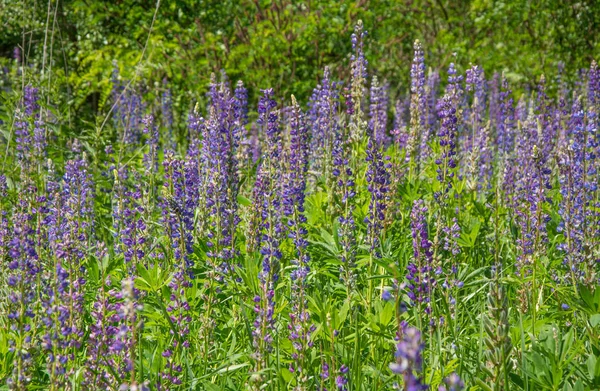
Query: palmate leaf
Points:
[328, 243]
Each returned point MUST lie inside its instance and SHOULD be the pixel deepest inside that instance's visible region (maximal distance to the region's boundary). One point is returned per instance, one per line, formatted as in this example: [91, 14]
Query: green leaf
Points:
[210, 387]
[591, 364]
[387, 313]
[539, 363]
[287, 375]
[231, 368]
[94, 271]
[595, 320]
[343, 314]
[483, 385]
[243, 200]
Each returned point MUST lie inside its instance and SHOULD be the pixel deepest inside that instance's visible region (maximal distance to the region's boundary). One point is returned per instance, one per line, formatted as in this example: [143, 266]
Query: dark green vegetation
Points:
[284, 44]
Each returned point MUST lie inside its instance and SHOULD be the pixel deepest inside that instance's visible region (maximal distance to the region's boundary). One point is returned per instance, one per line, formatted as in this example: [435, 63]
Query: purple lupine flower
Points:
[525, 203]
[133, 236]
[17, 54]
[430, 114]
[581, 84]
[178, 207]
[113, 338]
[378, 112]
[40, 141]
[478, 144]
[178, 308]
[593, 152]
[180, 318]
[4, 226]
[224, 132]
[387, 296]
[447, 134]
[400, 129]
[345, 187]
[77, 211]
[259, 191]
[544, 111]
[560, 81]
[452, 383]
[593, 89]
[531, 190]
[166, 110]
[572, 188]
[419, 276]
[133, 125]
[418, 137]
[23, 269]
[28, 141]
[324, 376]
[271, 229]
[199, 153]
[195, 124]
[120, 186]
[255, 143]
[312, 114]
[293, 206]
[577, 173]
[151, 157]
[70, 230]
[378, 179]
[522, 110]
[408, 359]
[233, 135]
[127, 109]
[451, 234]
[30, 100]
[560, 118]
[325, 371]
[504, 118]
[125, 339]
[542, 103]
[494, 99]
[240, 111]
[397, 167]
[215, 159]
[359, 74]
[213, 93]
[505, 141]
[180, 198]
[341, 381]
[99, 359]
[242, 136]
[454, 88]
[475, 83]
[324, 106]
[240, 107]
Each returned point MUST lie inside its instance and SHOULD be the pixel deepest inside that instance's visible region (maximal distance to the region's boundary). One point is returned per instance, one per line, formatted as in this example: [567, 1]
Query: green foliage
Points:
[285, 44]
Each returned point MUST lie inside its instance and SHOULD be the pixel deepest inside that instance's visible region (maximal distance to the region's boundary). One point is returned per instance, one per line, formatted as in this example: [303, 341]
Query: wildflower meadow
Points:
[442, 235]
